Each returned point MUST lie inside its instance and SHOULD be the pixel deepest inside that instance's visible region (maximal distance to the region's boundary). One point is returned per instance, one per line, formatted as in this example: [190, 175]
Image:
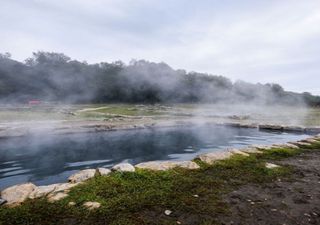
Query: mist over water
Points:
[45, 159]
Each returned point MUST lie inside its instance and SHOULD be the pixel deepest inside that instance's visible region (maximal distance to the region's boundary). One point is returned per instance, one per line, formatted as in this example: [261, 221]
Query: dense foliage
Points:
[55, 77]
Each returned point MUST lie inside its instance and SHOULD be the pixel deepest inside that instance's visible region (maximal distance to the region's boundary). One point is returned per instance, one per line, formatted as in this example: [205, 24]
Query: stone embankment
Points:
[17, 194]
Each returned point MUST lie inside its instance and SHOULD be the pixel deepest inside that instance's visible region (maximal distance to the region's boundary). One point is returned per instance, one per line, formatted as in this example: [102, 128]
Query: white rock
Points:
[71, 203]
[18, 193]
[271, 166]
[262, 147]
[64, 187]
[103, 171]
[311, 141]
[168, 212]
[212, 157]
[300, 143]
[53, 197]
[237, 151]
[82, 175]
[286, 145]
[251, 150]
[166, 165]
[41, 191]
[92, 205]
[123, 167]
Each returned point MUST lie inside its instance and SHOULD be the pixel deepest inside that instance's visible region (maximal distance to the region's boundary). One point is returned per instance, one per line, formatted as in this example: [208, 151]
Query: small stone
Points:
[123, 167]
[82, 175]
[168, 212]
[274, 210]
[92, 205]
[71, 203]
[271, 166]
[178, 222]
[196, 196]
[57, 196]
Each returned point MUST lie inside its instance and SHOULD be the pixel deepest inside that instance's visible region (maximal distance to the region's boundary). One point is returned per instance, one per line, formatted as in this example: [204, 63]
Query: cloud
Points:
[257, 41]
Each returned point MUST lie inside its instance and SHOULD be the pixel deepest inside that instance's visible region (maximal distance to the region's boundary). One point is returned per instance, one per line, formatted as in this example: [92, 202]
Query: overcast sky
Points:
[258, 41]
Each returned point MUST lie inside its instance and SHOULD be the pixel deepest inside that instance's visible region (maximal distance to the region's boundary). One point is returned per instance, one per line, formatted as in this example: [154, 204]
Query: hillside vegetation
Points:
[50, 76]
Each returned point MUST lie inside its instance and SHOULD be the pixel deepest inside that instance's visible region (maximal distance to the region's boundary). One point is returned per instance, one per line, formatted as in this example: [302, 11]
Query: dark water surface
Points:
[45, 159]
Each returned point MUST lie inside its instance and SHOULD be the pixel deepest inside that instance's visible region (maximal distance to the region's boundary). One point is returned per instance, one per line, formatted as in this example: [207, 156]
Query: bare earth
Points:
[292, 201]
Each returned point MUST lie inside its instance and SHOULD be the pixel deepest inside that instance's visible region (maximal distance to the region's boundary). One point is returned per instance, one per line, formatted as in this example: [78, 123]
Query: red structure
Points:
[34, 102]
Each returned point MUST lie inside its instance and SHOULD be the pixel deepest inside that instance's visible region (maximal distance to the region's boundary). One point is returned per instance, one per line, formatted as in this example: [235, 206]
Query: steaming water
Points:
[44, 159]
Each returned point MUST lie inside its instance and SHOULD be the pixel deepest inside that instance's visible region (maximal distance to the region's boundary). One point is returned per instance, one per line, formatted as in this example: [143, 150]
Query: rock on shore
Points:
[166, 165]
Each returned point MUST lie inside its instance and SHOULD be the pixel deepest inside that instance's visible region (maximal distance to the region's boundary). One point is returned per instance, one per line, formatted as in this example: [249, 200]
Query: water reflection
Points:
[49, 159]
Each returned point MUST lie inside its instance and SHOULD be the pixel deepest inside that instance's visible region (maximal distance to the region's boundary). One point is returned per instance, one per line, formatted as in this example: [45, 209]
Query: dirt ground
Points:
[291, 201]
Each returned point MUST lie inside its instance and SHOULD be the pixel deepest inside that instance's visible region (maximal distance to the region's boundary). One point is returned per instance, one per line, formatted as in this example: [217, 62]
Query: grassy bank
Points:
[143, 196]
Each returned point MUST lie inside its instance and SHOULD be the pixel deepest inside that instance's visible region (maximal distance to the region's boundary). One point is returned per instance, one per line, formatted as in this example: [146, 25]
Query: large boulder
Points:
[212, 157]
[166, 165]
[82, 175]
[123, 167]
[18, 193]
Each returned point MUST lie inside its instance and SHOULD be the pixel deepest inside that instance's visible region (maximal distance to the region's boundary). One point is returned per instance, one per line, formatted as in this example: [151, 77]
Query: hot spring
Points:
[46, 159]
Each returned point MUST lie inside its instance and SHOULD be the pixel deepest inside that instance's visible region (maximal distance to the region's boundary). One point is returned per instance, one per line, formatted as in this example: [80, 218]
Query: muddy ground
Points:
[290, 201]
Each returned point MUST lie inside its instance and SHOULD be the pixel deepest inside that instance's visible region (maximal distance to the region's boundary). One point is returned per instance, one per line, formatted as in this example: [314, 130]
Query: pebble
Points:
[71, 203]
[196, 196]
[168, 212]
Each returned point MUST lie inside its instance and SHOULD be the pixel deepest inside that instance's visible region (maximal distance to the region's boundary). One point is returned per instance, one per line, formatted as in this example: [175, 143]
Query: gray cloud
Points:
[257, 41]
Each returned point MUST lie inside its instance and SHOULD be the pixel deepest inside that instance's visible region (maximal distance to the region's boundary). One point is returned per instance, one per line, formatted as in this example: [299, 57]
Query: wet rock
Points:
[92, 205]
[103, 171]
[123, 167]
[17, 194]
[212, 157]
[313, 130]
[294, 129]
[82, 175]
[270, 127]
[53, 197]
[166, 165]
[271, 166]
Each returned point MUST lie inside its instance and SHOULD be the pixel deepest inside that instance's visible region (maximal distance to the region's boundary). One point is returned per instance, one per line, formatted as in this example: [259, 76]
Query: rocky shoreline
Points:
[15, 195]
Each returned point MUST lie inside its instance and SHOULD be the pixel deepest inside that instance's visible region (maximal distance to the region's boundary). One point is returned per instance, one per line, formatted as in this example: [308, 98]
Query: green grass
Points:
[143, 196]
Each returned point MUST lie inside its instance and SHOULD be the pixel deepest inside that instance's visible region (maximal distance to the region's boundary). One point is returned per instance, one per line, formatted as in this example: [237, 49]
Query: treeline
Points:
[56, 77]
